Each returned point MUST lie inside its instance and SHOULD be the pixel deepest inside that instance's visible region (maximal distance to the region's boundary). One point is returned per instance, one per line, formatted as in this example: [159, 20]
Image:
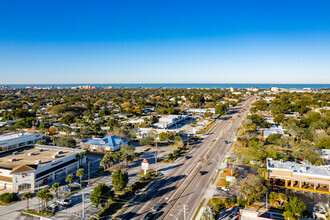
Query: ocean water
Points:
[178, 85]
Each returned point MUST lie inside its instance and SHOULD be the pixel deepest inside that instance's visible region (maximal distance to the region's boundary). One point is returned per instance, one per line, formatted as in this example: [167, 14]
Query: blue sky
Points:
[167, 41]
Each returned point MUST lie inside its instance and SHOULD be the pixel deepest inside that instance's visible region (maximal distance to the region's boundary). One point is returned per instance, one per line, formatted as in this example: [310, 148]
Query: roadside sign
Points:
[145, 166]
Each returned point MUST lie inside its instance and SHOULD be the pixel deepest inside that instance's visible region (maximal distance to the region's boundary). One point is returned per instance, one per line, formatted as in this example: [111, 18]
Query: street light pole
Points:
[156, 155]
[83, 203]
[89, 171]
[184, 212]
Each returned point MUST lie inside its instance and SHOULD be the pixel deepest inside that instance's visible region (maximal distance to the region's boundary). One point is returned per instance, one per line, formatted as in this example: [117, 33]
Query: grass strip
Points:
[41, 213]
[199, 207]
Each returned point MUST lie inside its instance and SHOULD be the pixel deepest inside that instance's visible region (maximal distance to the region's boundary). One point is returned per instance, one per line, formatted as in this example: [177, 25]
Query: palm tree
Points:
[55, 187]
[45, 196]
[26, 197]
[81, 156]
[69, 179]
[80, 173]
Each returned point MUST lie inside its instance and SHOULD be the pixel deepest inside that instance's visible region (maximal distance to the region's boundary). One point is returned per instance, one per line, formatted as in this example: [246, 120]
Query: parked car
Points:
[64, 202]
[148, 216]
[156, 207]
[53, 208]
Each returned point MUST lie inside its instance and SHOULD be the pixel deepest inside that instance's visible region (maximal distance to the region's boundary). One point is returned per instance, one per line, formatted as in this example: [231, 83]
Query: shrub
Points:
[148, 175]
[9, 197]
[218, 207]
[242, 202]
[216, 201]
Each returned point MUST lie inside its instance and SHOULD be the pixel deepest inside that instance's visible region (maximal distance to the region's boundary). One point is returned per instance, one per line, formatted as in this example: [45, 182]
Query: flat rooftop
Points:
[22, 158]
[299, 168]
[14, 136]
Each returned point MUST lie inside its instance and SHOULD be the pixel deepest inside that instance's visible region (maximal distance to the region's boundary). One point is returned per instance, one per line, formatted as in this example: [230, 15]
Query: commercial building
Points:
[18, 140]
[32, 166]
[298, 175]
[274, 130]
[167, 121]
[201, 110]
[107, 143]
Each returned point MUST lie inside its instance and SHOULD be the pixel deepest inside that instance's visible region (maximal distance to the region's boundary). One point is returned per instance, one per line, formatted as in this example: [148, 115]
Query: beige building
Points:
[27, 168]
[298, 175]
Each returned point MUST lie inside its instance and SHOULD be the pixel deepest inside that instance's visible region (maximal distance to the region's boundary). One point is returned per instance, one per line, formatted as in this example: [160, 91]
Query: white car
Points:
[64, 202]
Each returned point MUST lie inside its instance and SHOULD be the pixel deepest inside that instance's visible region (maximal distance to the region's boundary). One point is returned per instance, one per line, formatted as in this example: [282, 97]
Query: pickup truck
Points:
[64, 202]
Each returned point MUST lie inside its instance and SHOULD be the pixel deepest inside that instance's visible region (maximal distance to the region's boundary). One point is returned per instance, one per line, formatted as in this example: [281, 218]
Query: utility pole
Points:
[83, 203]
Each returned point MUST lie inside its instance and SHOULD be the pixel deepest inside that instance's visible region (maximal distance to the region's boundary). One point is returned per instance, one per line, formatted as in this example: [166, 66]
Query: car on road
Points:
[187, 157]
[156, 207]
[64, 202]
[53, 208]
[226, 141]
[148, 216]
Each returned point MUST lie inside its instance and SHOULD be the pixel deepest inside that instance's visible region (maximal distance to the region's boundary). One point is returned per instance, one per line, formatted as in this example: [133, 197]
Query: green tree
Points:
[100, 195]
[80, 173]
[65, 141]
[220, 109]
[148, 140]
[324, 143]
[127, 153]
[278, 200]
[55, 187]
[294, 207]
[45, 196]
[119, 180]
[69, 180]
[279, 118]
[27, 196]
[252, 188]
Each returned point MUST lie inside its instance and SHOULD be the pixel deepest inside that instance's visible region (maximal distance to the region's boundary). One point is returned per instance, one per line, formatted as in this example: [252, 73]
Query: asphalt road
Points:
[182, 184]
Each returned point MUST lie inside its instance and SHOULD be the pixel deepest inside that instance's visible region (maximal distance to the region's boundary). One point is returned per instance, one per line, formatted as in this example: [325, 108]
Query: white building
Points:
[201, 110]
[167, 121]
[18, 140]
[274, 130]
[31, 166]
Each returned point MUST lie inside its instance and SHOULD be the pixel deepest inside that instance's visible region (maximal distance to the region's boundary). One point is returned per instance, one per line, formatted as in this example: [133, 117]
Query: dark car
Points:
[53, 208]
[186, 157]
[148, 216]
[156, 207]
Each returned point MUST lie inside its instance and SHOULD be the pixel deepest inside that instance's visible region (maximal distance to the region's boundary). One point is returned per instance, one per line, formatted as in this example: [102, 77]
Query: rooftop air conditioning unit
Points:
[40, 150]
[58, 152]
[54, 156]
[37, 162]
[30, 154]
[11, 159]
[15, 152]
[281, 161]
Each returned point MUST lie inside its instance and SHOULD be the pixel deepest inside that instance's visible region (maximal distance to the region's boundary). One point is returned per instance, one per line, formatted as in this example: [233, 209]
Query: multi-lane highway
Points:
[183, 185]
